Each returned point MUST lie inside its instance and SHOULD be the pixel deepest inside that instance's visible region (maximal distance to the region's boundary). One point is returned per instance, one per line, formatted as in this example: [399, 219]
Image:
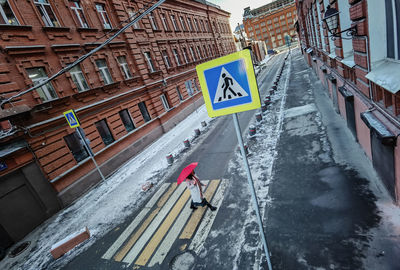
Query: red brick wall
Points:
[46, 124]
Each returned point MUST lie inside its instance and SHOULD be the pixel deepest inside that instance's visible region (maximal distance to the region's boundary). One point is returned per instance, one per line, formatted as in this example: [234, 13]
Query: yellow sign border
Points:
[77, 120]
[246, 56]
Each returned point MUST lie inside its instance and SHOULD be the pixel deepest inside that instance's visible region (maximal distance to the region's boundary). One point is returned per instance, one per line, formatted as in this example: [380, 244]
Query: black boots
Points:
[205, 202]
[212, 208]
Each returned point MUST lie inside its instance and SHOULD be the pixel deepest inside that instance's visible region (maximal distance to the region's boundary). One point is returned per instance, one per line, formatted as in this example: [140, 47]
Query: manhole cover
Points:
[19, 249]
[183, 261]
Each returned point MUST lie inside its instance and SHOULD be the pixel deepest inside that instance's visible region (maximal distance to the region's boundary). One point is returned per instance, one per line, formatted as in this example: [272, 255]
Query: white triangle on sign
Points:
[72, 120]
[228, 88]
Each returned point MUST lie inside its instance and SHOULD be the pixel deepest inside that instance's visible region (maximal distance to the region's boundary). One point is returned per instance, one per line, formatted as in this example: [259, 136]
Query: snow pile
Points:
[98, 210]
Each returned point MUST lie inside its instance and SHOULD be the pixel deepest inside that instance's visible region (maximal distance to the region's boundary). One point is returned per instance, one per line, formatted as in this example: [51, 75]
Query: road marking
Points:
[208, 220]
[127, 232]
[191, 226]
[158, 236]
[141, 242]
[121, 254]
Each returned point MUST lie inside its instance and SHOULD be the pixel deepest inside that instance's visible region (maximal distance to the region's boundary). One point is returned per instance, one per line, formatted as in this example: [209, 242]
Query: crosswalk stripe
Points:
[127, 232]
[208, 220]
[169, 239]
[191, 226]
[157, 237]
[140, 243]
[121, 254]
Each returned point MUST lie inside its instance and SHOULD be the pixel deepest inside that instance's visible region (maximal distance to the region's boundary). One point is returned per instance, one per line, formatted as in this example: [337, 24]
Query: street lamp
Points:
[331, 19]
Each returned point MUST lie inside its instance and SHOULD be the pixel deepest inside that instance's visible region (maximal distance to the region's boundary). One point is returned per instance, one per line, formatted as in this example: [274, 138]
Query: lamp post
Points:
[331, 19]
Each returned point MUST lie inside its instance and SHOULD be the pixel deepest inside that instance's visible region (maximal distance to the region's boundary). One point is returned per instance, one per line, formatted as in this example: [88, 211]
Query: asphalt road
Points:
[215, 151]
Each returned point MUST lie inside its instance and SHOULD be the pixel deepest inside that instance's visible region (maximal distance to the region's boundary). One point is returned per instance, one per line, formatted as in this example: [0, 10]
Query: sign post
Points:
[73, 122]
[229, 86]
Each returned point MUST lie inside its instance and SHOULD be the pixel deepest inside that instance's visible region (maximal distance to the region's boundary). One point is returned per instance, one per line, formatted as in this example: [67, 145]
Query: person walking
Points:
[196, 191]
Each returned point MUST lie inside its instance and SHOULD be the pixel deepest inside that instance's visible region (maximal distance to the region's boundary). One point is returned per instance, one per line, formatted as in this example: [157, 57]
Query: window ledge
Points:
[83, 29]
[348, 60]
[157, 30]
[110, 30]
[15, 27]
[55, 29]
[386, 74]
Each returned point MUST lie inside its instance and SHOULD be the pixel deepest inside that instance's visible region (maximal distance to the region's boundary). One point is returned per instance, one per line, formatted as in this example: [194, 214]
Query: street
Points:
[322, 204]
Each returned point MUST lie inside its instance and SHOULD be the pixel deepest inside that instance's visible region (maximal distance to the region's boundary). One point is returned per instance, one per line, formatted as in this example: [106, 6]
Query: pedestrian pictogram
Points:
[72, 119]
[228, 88]
[228, 84]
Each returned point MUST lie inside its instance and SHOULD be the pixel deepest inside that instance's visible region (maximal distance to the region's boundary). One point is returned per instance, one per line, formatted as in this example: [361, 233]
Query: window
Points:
[149, 61]
[176, 55]
[76, 146]
[207, 26]
[202, 26]
[132, 16]
[166, 59]
[164, 22]
[183, 23]
[179, 93]
[185, 56]
[104, 131]
[199, 52]
[174, 23]
[392, 8]
[190, 24]
[153, 21]
[192, 53]
[195, 85]
[103, 16]
[250, 28]
[289, 14]
[127, 120]
[256, 26]
[144, 112]
[275, 19]
[269, 21]
[125, 68]
[104, 72]
[282, 17]
[205, 50]
[262, 24]
[46, 12]
[165, 102]
[196, 25]
[46, 92]
[6, 14]
[78, 78]
[209, 50]
[77, 12]
[189, 88]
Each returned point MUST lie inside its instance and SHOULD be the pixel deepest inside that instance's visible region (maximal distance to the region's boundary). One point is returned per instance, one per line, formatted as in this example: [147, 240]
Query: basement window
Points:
[104, 132]
[76, 146]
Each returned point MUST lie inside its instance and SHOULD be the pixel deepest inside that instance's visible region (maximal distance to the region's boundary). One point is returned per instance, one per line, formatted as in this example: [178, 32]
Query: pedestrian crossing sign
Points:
[229, 84]
[72, 119]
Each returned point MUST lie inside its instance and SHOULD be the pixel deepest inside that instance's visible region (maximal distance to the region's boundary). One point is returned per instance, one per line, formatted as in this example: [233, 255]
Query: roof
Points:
[248, 13]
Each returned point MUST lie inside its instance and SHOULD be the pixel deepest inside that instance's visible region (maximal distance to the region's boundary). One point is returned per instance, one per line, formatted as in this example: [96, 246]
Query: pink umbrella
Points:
[186, 171]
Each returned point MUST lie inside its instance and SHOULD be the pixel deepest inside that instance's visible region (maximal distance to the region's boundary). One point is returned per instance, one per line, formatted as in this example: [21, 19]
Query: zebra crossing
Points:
[165, 219]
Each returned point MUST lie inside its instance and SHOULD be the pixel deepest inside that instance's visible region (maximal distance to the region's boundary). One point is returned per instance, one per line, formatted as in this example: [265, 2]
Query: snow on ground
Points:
[98, 209]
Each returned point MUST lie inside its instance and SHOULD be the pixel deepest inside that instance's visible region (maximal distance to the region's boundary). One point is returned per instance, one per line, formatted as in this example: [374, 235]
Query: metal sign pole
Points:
[87, 147]
[251, 185]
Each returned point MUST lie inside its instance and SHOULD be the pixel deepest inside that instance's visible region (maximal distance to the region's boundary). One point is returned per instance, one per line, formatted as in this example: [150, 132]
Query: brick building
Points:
[126, 95]
[271, 22]
[361, 74]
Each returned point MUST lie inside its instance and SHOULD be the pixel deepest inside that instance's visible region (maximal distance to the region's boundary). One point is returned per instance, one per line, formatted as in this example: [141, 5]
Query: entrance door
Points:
[20, 208]
[334, 97]
[383, 161]
[350, 115]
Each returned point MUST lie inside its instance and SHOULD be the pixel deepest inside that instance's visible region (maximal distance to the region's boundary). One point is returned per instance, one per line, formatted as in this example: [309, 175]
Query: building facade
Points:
[361, 73]
[271, 22]
[125, 95]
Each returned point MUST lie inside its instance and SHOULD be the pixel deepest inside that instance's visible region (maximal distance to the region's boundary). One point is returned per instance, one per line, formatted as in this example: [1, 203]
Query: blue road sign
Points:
[228, 84]
[72, 119]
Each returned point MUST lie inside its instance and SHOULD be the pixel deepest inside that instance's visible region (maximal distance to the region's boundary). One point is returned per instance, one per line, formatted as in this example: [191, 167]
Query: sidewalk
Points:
[109, 203]
[328, 208]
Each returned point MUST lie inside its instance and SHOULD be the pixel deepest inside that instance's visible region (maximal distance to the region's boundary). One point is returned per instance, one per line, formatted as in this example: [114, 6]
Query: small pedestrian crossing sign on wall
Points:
[228, 84]
[72, 119]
